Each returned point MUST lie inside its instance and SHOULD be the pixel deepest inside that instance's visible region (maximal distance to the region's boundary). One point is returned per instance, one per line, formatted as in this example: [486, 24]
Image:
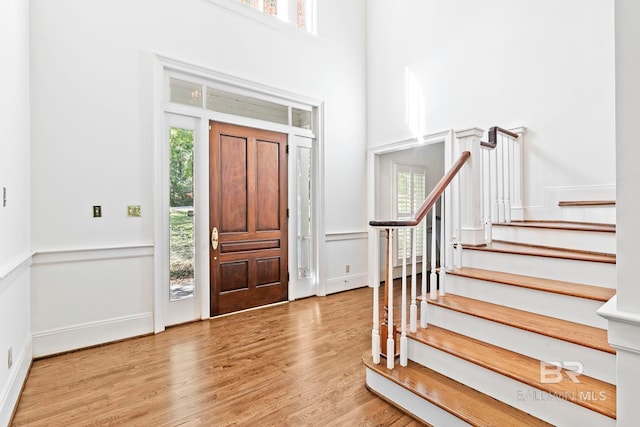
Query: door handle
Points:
[214, 238]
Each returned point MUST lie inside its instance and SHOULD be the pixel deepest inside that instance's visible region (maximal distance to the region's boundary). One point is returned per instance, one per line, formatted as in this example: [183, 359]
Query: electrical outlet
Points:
[347, 268]
[10, 357]
[4, 197]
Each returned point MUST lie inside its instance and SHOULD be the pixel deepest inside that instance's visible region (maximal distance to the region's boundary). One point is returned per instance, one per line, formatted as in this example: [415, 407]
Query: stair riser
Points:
[586, 272]
[573, 309]
[593, 241]
[549, 408]
[597, 364]
[411, 402]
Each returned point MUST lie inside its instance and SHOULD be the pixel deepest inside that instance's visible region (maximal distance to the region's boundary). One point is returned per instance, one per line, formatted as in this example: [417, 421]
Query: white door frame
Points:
[168, 67]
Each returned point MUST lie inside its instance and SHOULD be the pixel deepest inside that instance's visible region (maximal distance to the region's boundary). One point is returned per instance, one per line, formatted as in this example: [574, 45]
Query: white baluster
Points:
[403, 308]
[443, 271]
[486, 185]
[391, 350]
[506, 140]
[500, 177]
[413, 313]
[493, 177]
[433, 278]
[423, 303]
[375, 332]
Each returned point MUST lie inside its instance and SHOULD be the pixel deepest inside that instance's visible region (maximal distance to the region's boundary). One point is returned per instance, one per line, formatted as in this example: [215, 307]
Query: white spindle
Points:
[375, 332]
[433, 278]
[493, 177]
[413, 313]
[500, 177]
[391, 350]
[443, 272]
[423, 303]
[403, 308]
[506, 140]
[457, 263]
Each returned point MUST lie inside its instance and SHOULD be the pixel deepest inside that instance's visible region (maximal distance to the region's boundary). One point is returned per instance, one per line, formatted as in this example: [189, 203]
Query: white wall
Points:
[92, 116]
[15, 243]
[545, 65]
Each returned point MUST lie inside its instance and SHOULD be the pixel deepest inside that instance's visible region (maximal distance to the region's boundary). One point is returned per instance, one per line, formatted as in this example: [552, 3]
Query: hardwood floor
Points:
[296, 364]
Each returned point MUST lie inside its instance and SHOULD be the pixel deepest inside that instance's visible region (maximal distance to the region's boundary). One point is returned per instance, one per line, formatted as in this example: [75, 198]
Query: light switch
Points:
[4, 197]
[97, 211]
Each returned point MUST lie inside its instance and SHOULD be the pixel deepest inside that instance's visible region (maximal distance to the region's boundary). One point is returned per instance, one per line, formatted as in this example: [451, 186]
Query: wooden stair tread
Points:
[544, 251]
[521, 368]
[561, 225]
[565, 203]
[596, 293]
[470, 405]
[587, 336]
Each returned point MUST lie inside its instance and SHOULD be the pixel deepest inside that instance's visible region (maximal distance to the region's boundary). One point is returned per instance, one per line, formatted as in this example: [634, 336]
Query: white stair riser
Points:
[531, 400]
[597, 364]
[568, 270]
[573, 309]
[593, 241]
[412, 403]
[596, 214]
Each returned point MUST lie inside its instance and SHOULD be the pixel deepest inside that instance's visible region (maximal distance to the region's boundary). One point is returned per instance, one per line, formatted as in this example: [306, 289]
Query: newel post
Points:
[471, 227]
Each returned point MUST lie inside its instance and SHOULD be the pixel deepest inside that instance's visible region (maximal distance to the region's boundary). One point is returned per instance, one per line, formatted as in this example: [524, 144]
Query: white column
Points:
[624, 311]
[472, 230]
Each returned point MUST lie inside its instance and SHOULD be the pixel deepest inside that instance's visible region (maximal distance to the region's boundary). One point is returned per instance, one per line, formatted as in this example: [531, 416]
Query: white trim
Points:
[346, 283]
[373, 159]
[165, 67]
[10, 394]
[353, 235]
[624, 327]
[12, 269]
[62, 256]
[58, 340]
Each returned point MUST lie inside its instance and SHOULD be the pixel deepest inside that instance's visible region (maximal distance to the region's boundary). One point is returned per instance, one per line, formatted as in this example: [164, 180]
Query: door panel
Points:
[248, 208]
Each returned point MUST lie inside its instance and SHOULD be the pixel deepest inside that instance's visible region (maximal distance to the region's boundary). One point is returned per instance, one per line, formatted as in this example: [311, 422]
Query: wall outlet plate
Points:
[134, 210]
[10, 357]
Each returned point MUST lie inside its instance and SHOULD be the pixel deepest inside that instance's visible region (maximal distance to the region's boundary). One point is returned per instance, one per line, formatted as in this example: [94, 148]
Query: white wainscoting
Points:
[596, 214]
[342, 250]
[15, 332]
[90, 296]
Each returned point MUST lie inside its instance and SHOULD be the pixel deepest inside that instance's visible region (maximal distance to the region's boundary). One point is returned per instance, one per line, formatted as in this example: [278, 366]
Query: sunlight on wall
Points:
[415, 105]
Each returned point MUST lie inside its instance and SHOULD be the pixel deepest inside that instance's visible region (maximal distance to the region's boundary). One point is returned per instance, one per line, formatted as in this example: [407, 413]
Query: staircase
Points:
[520, 309]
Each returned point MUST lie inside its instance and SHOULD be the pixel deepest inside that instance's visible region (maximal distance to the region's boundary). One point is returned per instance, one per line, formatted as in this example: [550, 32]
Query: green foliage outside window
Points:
[181, 167]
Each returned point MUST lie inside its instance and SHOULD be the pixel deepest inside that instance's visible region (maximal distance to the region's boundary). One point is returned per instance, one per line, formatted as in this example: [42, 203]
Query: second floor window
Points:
[297, 12]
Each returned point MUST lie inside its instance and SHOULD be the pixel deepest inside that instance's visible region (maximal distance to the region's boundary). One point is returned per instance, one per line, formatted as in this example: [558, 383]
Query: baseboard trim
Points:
[11, 394]
[346, 283]
[61, 340]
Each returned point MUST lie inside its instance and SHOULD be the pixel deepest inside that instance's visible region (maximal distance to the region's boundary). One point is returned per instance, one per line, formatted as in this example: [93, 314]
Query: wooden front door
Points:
[248, 217]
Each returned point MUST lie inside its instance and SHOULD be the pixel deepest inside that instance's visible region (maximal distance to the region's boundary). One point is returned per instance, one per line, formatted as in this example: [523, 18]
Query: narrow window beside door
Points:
[181, 241]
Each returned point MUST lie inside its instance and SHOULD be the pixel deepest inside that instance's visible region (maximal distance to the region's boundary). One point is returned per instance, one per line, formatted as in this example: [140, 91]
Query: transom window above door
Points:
[200, 95]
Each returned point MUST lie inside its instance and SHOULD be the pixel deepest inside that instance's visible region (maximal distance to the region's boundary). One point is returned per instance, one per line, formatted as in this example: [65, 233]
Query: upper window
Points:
[297, 12]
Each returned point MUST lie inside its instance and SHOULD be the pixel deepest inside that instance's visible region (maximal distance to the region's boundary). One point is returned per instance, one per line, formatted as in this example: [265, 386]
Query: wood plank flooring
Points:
[296, 364]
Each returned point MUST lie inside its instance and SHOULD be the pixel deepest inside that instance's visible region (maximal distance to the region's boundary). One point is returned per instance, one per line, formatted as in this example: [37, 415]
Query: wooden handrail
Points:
[493, 136]
[431, 198]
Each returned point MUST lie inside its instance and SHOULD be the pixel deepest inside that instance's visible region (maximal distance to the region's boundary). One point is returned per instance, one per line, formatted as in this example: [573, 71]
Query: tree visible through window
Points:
[410, 192]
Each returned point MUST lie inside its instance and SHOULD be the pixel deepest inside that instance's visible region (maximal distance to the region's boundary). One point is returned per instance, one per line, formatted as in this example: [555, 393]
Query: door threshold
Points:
[249, 309]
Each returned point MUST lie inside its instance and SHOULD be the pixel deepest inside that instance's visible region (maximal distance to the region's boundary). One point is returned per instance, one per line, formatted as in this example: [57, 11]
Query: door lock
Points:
[214, 238]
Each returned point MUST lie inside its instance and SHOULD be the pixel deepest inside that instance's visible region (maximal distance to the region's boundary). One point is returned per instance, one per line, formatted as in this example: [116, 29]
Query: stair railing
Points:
[406, 230]
[483, 186]
[501, 178]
